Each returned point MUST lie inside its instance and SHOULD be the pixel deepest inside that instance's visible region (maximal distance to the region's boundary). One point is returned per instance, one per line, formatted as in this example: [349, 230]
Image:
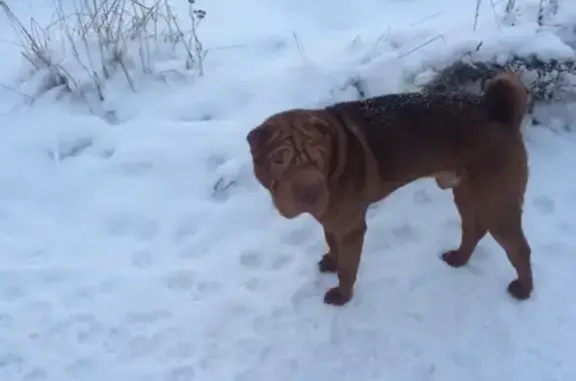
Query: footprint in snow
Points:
[544, 205]
[183, 373]
[80, 368]
[404, 234]
[251, 259]
[142, 259]
[180, 281]
[36, 374]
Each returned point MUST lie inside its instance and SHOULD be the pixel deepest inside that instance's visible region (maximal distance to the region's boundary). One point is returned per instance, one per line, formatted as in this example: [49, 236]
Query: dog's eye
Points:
[279, 158]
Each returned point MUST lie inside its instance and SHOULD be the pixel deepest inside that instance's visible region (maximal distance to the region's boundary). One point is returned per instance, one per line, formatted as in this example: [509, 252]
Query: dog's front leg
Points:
[349, 242]
[329, 261]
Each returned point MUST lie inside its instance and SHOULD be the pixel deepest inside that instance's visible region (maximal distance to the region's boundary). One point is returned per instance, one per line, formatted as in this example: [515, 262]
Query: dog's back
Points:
[413, 135]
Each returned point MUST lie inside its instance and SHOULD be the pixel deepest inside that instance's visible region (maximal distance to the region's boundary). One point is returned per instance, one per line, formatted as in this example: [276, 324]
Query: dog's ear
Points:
[256, 136]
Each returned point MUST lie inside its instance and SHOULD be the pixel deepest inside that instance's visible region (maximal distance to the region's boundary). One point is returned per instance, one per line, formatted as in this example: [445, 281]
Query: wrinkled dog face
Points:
[290, 154]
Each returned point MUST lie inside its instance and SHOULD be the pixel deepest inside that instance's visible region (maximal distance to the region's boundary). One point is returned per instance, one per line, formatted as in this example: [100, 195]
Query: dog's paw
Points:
[327, 264]
[518, 290]
[335, 297]
[454, 258]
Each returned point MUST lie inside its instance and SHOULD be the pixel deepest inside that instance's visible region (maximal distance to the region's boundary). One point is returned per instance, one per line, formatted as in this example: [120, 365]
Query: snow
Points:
[136, 244]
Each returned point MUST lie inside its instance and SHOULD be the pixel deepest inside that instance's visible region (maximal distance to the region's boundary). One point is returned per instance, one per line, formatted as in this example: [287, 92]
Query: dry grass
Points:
[545, 8]
[99, 39]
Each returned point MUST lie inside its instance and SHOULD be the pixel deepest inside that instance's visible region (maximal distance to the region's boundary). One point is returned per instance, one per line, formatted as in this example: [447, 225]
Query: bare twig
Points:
[477, 14]
[15, 91]
[438, 37]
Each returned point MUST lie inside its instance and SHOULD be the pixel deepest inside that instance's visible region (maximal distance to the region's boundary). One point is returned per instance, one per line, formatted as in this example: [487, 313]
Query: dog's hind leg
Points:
[507, 231]
[474, 227]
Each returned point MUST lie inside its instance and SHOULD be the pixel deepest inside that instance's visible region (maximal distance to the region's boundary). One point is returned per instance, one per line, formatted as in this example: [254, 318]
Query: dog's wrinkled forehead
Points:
[302, 124]
[273, 128]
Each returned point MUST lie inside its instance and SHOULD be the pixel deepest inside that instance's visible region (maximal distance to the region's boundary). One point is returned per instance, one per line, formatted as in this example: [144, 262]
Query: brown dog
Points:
[336, 161]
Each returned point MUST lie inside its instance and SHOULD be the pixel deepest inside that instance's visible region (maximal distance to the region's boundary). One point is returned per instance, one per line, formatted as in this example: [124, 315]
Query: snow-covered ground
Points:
[144, 249]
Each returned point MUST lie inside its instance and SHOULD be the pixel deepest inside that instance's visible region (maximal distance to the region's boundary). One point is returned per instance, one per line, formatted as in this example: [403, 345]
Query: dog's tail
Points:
[506, 99]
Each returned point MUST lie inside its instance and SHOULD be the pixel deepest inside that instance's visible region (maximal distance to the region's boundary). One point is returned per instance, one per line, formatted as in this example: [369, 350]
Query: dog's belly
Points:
[447, 179]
